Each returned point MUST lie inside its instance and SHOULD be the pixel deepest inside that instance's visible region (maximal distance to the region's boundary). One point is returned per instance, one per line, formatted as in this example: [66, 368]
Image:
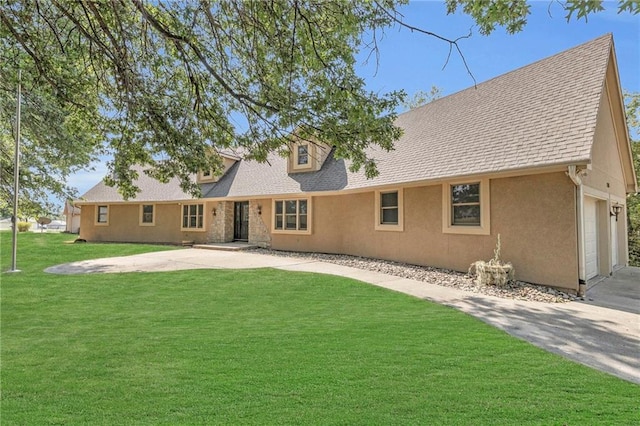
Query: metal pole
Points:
[16, 177]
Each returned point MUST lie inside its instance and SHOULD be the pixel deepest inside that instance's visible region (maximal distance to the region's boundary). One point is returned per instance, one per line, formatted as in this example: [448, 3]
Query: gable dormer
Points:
[306, 156]
[208, 176]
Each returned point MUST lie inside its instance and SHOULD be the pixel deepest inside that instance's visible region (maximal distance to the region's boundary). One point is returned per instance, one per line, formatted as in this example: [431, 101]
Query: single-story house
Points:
[540, 156]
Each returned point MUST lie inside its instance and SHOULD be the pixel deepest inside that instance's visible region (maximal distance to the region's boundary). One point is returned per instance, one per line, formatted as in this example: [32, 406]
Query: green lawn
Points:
[266, 347]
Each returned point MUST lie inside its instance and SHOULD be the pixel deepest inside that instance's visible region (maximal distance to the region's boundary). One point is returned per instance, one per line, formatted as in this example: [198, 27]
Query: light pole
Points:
[16, 178]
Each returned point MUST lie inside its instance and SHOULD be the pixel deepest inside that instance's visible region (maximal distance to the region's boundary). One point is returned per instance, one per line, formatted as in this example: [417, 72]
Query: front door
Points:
[241, 221]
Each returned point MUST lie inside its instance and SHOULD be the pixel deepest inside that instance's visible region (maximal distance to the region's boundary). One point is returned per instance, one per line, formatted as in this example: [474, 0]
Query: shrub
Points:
[24, 226]
[634, 249]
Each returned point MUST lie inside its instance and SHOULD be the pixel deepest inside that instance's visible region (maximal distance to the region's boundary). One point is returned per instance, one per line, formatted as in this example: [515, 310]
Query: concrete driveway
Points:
[620, 292]
[590, 332]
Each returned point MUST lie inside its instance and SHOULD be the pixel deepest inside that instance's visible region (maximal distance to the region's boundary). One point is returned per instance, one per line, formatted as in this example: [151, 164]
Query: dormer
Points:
[306, 156]
[208, 176]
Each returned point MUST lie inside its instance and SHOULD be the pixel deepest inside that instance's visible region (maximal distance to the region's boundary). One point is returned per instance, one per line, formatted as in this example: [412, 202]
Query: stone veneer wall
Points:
[221, 230]
[258, 231]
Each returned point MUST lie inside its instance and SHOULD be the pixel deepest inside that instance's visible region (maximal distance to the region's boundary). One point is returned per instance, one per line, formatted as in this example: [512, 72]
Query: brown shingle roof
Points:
[543, 114]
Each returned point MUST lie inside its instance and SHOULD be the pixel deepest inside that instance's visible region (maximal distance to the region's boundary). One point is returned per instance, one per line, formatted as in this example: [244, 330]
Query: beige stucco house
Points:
[540, 155]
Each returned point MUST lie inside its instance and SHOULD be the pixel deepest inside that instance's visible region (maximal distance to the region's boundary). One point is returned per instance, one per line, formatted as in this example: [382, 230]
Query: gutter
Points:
[576, 177]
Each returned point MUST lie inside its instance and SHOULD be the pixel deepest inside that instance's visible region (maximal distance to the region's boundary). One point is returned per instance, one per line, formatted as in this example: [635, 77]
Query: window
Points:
[102, 217]
[389, 210]
[466, 207]
[193, 216]
[465, 204]
[303, 155]
[206, 176]
[291, 216]
[147, 215]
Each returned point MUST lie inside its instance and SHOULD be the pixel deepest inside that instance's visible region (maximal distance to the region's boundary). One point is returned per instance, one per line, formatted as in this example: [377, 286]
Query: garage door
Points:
[591, 237]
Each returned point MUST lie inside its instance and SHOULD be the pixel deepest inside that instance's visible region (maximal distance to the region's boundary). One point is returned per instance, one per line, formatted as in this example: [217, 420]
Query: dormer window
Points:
[306, 156]
[208, 176]
[303, 155]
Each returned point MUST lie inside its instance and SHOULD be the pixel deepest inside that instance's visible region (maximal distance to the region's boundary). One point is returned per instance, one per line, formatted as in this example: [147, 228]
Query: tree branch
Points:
[175, 37]
[452, 43]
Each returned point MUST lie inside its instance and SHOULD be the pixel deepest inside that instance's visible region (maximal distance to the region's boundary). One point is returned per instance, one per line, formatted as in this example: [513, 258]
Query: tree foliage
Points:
[170, 84]
[513, 14]
[57, 138]
[422, 97]
[178, 79]
[632, 105]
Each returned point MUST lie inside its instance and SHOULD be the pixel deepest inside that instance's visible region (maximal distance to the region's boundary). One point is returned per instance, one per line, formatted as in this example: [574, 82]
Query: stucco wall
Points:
[606, 171]
[535, 216]
[126, 228]
[605, 181]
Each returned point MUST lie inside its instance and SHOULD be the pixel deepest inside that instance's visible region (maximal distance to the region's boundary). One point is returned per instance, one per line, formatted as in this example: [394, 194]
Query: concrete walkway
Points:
[597, 336]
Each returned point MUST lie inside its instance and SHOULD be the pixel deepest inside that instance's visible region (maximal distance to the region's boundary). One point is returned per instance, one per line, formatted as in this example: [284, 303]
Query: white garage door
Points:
[591, 237]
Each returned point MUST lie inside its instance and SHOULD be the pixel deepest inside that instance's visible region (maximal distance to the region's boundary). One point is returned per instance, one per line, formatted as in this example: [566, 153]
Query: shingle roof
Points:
[540, 115]
[543, 114]
[150, 190]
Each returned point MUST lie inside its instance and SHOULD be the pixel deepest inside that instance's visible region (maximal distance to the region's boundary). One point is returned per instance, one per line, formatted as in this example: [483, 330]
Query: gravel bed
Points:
[518, 290]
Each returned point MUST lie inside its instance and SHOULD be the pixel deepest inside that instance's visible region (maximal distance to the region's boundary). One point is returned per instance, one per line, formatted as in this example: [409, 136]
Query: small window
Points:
[389, 211]
[303, 155]
[465, 205]
[147, 214]
[193, 216]
[389, 208]
[103, 215]
[291, 215]
[466, 208]
[205, 176]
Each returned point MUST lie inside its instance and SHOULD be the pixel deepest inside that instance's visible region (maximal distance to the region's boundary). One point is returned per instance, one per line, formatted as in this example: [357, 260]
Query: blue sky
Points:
[413, 61]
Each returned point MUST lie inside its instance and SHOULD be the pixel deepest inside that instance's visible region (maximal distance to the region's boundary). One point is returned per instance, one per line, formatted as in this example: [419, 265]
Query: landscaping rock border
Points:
[518, 290]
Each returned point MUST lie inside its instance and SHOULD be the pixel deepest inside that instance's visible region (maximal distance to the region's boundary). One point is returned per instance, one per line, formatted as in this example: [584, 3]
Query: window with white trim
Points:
[102, 216]
[389, 210]
[466, 207]
[291, 215]
[147, 214]
[193, 216]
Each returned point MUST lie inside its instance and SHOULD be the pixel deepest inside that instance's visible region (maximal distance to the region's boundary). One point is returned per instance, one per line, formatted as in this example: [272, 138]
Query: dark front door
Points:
[241, 221]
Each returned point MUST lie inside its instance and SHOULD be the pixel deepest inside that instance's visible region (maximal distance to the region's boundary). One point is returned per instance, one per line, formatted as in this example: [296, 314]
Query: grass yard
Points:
[266, 347]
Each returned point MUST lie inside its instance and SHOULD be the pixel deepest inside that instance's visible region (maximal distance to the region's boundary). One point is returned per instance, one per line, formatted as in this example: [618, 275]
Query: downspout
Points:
[575, 176]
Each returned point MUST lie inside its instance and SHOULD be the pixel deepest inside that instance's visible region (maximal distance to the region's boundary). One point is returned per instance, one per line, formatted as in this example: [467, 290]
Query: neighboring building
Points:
[540, 155]
[72, 214]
